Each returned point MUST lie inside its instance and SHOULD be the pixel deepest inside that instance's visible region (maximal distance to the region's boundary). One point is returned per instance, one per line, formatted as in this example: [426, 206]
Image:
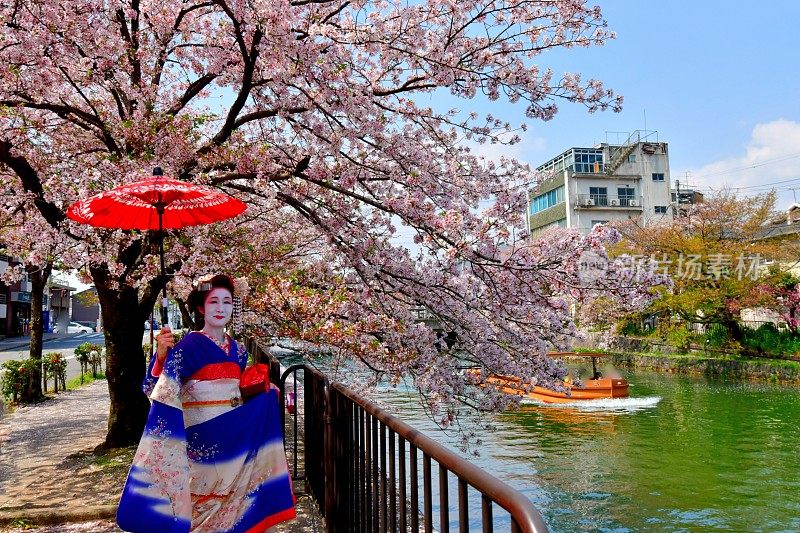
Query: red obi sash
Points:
[217, 371]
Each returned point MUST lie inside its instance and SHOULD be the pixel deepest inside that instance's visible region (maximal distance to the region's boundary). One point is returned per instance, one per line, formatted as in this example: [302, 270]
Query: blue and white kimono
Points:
[207, 461]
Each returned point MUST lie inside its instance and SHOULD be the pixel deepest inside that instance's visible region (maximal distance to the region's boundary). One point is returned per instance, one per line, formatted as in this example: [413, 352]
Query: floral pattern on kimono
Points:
[203, 464]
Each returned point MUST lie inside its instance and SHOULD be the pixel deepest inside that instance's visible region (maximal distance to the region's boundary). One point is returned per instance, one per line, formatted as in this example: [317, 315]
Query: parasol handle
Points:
[164, 317]
[164, 302]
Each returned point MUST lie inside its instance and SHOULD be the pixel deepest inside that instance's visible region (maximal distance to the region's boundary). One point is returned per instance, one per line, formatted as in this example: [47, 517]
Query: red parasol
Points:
[156, 203]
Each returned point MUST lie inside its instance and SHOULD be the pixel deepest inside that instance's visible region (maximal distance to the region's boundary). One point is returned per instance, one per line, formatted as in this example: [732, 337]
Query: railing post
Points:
[329, 459]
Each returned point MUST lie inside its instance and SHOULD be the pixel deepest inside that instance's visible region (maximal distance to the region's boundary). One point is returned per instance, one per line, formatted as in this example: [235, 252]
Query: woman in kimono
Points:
[207, 461]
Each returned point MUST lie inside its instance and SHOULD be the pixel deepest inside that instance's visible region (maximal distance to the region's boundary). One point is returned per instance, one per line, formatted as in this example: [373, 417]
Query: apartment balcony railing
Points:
[607, 201]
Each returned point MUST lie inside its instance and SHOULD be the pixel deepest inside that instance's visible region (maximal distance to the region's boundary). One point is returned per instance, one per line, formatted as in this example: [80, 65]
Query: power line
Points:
[754, 165]
[766, 184]
[755, 188]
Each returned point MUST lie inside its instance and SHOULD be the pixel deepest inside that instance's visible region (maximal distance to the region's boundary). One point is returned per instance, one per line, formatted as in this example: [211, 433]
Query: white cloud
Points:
[769, 160]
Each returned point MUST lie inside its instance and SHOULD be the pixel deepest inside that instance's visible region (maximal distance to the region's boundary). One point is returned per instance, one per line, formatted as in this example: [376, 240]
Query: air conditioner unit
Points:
[589, 201]
[614, 202]
[633, 203]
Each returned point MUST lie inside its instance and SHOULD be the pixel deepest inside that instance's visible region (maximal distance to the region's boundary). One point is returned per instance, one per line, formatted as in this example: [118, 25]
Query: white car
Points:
[74, 327]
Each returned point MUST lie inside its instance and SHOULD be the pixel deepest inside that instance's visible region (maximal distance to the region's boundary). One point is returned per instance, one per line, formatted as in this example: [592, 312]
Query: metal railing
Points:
[609, 201]
[370, 472]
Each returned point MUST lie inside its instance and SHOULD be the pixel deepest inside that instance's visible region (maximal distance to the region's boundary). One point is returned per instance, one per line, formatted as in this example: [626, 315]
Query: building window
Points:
[547, 200]
[588, 161]
[658, 176]
[599, 195]
[661, 210]
[579, 160]
[626, 194]
[632, 158]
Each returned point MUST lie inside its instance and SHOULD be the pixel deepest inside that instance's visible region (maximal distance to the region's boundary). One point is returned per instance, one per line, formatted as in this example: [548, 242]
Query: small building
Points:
[59, 309]
[684, 197]
[15, 303]
[5, 296]
[604, 183]
[86, 307]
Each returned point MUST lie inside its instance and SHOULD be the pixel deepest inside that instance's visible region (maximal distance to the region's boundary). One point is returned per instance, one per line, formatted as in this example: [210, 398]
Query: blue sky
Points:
[718, 80]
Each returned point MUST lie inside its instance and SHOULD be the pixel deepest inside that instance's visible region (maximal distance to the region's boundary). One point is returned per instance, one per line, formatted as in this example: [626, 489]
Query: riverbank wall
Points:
[644, 353]
[774, 370]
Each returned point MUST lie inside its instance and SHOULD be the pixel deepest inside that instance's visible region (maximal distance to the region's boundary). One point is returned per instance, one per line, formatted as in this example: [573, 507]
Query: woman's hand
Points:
[164, 341]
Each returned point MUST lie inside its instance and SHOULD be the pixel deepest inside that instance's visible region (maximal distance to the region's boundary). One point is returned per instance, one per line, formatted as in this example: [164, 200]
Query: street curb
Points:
[51, 516]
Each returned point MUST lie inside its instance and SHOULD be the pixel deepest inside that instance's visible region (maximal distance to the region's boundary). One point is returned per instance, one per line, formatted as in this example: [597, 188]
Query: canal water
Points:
[682, 454]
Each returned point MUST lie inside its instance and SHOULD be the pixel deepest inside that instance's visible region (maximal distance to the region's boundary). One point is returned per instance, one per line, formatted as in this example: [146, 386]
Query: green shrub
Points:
[82, 351]
[17, 376]
[716, 336]
[631, 329]
[56, 366]
[680, 337]
[89, 354]
[767, 339]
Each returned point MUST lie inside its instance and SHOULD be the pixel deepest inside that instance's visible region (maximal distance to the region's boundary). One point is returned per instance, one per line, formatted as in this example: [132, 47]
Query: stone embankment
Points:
[644, 353]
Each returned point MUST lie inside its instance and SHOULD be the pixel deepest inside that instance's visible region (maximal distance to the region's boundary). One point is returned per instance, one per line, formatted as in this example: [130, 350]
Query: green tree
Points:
[715, 253]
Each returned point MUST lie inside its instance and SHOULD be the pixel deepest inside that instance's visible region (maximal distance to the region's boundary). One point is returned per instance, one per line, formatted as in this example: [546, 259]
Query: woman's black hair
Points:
[197, 298]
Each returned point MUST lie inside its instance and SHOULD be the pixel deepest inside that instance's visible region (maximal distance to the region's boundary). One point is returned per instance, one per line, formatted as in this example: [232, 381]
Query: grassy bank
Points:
[75, 382]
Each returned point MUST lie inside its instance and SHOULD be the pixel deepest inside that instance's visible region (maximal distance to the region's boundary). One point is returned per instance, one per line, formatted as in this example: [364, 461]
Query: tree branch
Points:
[32, 184]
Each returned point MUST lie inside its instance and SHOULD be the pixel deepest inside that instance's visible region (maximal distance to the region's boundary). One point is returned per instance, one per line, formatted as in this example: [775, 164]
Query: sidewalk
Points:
[50, 477]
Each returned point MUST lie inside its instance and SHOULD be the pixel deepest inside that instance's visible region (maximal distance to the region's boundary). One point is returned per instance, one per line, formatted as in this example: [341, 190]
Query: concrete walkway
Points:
[50, 477]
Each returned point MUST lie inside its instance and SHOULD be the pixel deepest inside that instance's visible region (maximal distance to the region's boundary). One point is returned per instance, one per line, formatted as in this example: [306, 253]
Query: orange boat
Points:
[596, 388]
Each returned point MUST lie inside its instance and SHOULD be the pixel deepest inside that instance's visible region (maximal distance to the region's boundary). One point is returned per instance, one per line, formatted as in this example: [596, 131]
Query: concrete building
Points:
[607, 182]
[15, 302]
[58, 294]
[86, 308]
[683, 198]
[5, 299]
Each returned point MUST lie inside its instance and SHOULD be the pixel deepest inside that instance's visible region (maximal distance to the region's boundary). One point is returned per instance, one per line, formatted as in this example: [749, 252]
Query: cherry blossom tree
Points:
[306, 110]
[16, 227]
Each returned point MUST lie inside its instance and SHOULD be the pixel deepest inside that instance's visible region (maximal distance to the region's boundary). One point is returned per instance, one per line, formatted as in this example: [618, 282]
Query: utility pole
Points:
[677, 199]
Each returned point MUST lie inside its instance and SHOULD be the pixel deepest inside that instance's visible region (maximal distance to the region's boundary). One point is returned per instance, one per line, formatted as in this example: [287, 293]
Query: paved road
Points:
[11, 349]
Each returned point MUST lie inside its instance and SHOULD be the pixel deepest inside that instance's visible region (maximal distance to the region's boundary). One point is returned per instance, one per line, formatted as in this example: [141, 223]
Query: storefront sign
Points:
[24, 297]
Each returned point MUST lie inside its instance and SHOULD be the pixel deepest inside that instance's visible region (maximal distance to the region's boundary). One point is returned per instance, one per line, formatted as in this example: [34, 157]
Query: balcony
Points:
[607, 201]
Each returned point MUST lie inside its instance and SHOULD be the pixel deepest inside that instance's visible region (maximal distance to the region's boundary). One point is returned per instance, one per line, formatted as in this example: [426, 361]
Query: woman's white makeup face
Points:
[218, 307]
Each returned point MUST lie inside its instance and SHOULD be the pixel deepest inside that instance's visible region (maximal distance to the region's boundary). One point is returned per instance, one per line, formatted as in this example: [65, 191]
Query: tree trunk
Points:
[186, 317]
[123, 318]
[733, 327]
[38, 278]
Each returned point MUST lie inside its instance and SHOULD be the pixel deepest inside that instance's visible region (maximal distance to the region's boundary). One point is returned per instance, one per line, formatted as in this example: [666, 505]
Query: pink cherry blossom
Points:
[307, 111]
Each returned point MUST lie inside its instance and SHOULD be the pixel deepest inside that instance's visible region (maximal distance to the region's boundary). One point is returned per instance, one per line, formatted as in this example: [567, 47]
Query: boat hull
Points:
[592, 389]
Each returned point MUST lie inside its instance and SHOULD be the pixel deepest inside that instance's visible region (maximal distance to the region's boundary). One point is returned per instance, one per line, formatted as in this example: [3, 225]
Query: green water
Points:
[707, 456]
